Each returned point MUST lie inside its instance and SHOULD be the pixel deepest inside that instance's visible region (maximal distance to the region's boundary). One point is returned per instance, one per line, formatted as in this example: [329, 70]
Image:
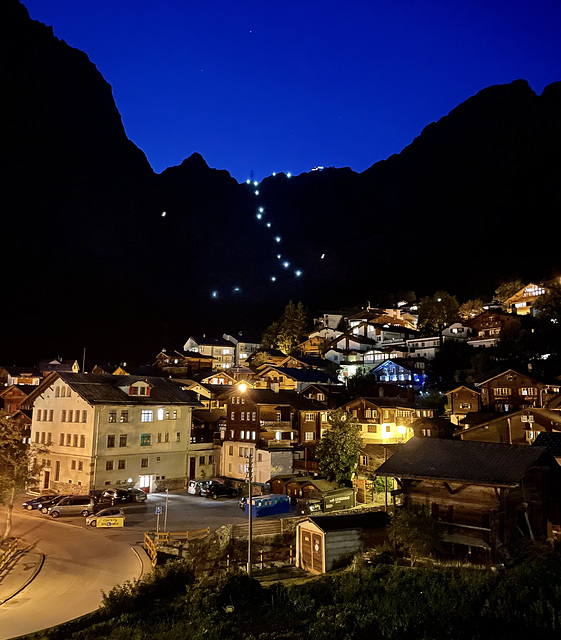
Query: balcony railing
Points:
[273, 425]
[305, 465]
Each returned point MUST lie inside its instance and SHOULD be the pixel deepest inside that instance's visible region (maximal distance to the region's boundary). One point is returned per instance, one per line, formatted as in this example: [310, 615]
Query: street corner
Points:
[19, 571]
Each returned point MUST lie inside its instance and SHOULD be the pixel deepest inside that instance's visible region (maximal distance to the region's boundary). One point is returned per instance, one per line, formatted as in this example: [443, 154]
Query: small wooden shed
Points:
[327, 541]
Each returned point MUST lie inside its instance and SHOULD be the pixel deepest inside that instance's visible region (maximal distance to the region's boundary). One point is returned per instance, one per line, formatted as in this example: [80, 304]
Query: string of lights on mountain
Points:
[285, 263]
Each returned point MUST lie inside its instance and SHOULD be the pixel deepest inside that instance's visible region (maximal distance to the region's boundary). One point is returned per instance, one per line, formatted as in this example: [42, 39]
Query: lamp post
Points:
[250, 510]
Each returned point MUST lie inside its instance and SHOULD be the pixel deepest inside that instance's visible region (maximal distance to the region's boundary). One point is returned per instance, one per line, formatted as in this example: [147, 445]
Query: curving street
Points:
[81, 562]
[78, 565]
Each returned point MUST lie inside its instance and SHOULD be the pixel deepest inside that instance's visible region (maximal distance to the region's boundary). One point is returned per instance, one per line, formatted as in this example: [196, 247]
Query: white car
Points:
[112, 516]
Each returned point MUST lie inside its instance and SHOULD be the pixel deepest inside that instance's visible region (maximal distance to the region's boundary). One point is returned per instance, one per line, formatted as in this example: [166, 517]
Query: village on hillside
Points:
[454, 413]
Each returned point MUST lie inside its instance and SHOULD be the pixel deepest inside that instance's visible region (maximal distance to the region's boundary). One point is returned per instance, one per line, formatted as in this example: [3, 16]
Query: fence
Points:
[260, 560]
[153, 538]
[9, 553]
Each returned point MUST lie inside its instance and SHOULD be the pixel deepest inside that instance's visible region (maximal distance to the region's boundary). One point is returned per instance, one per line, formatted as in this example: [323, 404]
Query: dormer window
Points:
[139, 388]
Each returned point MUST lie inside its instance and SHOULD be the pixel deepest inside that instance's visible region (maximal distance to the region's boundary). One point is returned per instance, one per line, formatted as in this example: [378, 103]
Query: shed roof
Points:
[354, 520]
[464, 461]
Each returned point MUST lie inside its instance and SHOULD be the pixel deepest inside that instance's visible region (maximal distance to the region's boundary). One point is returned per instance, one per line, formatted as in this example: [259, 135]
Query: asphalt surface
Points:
[62, 565]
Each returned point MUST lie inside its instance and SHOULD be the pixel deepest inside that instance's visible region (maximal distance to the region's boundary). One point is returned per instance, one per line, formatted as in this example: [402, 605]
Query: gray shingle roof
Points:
[463, 461]
[104, 389]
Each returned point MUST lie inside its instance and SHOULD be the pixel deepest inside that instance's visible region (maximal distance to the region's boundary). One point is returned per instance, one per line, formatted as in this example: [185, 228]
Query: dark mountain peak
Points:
[195, 162]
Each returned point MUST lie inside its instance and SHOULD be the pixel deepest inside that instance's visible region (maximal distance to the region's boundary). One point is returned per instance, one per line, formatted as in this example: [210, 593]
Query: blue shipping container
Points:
[268, 505]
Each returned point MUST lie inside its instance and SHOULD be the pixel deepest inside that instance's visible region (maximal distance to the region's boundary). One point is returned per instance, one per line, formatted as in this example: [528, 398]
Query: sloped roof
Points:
[23, 371]
[384, 402]
[104, 389]
[213, 341]
[464, 461]
[305, 375]
[340, 522]
[282, 397]
[551, 441]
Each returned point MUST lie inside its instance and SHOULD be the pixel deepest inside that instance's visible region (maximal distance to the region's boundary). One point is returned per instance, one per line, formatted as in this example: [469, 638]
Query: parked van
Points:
[73, 506]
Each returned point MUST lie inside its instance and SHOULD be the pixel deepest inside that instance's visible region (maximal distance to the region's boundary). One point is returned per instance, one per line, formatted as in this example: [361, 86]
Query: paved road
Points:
[78, 565]
[82, 561]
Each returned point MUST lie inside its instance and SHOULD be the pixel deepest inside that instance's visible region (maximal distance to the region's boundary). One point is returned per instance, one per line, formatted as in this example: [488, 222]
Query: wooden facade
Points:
[510, 391]
[329, 541]
[485, 497]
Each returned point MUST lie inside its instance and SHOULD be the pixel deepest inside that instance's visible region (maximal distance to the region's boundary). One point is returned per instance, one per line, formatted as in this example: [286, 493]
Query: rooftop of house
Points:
[464, 461]
[111, 390]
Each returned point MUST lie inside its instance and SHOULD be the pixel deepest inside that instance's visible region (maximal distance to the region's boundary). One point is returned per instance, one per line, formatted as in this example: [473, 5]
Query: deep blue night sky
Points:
[269, 86]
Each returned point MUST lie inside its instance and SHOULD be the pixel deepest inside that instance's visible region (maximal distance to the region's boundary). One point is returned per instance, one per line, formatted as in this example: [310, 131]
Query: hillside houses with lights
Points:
[218, 400]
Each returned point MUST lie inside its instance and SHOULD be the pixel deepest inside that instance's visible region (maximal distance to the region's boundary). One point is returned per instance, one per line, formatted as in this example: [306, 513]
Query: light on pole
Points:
[250, 510]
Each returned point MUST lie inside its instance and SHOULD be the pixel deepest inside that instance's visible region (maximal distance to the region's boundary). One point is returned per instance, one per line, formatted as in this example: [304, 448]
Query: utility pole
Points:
[166, 512]
[250, 509]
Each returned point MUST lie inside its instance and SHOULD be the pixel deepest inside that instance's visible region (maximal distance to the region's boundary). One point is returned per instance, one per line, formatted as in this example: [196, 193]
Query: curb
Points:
[28, 581]
[145, 564]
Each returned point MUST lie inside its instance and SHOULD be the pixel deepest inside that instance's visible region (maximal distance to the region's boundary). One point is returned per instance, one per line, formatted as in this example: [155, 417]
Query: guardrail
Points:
[9, 553]
[167, 536]
[154, 538]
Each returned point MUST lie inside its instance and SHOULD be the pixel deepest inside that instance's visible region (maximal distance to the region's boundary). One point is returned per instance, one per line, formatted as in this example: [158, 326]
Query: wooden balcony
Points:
[305, 465]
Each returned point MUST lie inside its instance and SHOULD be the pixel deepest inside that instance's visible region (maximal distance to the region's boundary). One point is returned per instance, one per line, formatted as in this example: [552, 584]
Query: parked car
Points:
[48, 502]
[72, 506]
[33, 503]
[110, 512]
[138, 495]
[115, 496]
[120, 496]
[216, 489]
[196, 486]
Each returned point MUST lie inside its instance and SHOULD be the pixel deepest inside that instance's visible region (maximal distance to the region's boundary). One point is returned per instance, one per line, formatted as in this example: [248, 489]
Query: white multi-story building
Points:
[105, 430]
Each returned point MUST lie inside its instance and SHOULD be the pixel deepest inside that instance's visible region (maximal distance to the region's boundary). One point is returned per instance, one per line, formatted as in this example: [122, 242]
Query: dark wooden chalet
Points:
[484, 496]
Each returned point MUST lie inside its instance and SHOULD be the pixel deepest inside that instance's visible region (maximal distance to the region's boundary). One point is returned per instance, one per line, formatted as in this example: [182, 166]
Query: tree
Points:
[437, 312]
[507, 289]
[18, 465]
[339, 448]
[361, 384]
[289, 330]
[471, 309]
[413, 529]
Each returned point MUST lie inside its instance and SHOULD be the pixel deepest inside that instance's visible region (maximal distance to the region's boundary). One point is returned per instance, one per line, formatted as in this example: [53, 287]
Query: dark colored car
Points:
[120, 496]
[45, 504]
[33, 503]
[116, 496]
[216, 489]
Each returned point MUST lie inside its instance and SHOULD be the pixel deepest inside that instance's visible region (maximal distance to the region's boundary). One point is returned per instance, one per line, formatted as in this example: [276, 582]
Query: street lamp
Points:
[250, 509]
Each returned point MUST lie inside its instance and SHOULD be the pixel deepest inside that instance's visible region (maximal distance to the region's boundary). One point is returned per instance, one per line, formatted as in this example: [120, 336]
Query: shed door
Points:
[317, 553]
[311, 551]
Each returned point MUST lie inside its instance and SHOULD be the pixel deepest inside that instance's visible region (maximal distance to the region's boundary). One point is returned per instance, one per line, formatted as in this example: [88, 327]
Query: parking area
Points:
[185, 512]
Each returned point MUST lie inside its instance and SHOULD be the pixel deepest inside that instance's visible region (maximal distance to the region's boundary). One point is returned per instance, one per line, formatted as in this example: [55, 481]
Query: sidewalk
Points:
[19, 571]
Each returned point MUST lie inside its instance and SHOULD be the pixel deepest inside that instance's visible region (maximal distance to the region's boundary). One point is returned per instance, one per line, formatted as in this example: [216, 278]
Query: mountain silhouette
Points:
[101, 252]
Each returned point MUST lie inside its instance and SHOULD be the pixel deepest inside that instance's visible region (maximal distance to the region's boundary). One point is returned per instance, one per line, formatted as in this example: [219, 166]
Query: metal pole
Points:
[166, 513]
[250, 509]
